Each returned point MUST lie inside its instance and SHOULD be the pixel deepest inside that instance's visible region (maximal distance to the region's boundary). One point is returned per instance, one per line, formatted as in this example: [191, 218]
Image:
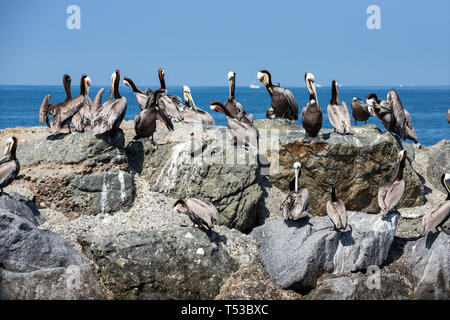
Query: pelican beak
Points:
[312, 89]
[8, 148]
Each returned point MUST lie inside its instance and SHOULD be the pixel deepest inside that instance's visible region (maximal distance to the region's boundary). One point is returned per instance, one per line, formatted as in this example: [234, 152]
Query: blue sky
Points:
[199, 41]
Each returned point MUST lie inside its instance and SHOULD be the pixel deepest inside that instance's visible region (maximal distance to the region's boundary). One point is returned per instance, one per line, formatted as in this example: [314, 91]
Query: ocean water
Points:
[20, 105]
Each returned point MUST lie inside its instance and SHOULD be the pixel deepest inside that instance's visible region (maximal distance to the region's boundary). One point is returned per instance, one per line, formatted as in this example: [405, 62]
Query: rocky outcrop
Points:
[297, 253]
[356, 164]
[428, 258]
[19, 205]
[203, 164]
[39, 264]
[78, 173]
[438, 162]
[391, 286]
[181, 264]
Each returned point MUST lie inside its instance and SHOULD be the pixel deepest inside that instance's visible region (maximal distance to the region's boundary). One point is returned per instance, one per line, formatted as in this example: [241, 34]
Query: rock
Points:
[21, 206]
[357, 164]
[71, 283]
[78, 173]
[429, 261]
[297, 253]
[39, 264]
[438, 163]
[391, 286]
[159, 264]
[206, 165]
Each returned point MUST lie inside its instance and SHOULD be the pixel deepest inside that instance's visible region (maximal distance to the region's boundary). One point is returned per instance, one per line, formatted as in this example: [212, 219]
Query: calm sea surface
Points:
[19, 105]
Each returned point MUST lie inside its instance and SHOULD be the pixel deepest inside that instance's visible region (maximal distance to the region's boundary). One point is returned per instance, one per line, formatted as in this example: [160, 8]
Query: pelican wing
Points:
[202, 204]
[170, 108]
[293, 104]
[409, 127]
[141, 100]
[398, 112]
[339, 117]
[244, 133]
[295, 205]
[202, 211]
[44, 110]
[390, 196]
[438, 214]
[162, 116]
[337, 213]
[8, 171]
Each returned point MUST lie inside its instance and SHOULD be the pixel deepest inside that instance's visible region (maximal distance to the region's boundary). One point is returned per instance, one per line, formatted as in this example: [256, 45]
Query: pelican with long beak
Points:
[338, 114]
[440, 212]
[390, 194]
[112, 111]
[283, 103]
[295, 205]
[337, 213]
[191, 112]
[200, 211]
[311, 113]
[176, 100]
[360, 110]
[48, 110]
[9, 165]
[67, 109]
[141, 96]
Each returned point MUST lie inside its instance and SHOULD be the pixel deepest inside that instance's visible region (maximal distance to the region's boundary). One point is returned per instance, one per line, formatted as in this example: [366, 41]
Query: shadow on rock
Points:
[346, 238]
[135, 155]
[58, 136]
[431, 237]
[298, 223]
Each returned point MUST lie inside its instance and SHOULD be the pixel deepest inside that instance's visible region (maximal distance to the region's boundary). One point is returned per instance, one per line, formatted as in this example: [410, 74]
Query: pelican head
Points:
[266, 79]
[11, 144]
[180, 206]
[372, 99]
[231, 75]
[310, 81]
[217, 106]
[354, 99]
[67, 79]
[402, 155]
[298, 171]
[187, 96]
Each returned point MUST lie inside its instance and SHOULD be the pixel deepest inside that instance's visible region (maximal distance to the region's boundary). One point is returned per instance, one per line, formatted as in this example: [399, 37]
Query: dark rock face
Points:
[208, 166]
[428, 258]
[391, 286]
[438, 163]
[297, 253]
[181, 264]
[39, 264]
[358, 164]
[78, 173]
[21, 206]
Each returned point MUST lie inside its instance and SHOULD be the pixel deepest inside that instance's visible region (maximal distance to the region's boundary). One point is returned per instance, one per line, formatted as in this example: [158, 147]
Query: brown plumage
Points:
[200, 211]
[141, 97]
[312, 113]
[360, 110]
[390, 194]
[191, 112]
[295, 205]
[440, 212]
[9, 165]
[243, 134]
[338, 114]
[337, 213]
[46, 110]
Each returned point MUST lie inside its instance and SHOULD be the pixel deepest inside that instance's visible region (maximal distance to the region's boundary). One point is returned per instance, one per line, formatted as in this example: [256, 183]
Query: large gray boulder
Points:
[391, 286]
[21, 206]
[357, 165]
[78, 173]
[428, 258]
[206, 165]
[438, 163]
[297, 253]
[180, 264]
[39, 264]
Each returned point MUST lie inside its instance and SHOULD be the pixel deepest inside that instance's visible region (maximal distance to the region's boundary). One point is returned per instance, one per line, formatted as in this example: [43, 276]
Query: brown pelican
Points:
[83, 119]
[295, 205]
[440, 212]
[200, 211]
[232, 108]
[243, 134]
[176, 100]
[283, 103]
[392, 115]
[338, 114]
[360, 110]
[64, 112]
[145, 122]
[337, 213]
[191, 112]
[112, 112]
[448, 116]
[47, 110]
[141, 96]
[390, 194]
[9, 165]
[311, 113]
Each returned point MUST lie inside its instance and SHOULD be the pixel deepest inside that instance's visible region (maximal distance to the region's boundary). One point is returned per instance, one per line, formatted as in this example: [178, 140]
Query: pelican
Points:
[440, 212]
[295, 205]
[243, 134]
[200, 211]
[112, 112]
[338, 112]
[232, 108]
[176, 100]
[448, 116]
[283, 103]
[360, 110]
[83, 119]
[64, 111]
[337, 213]
[141, 96]
[9, 165]
[191, 112]
[311, 113]
[390, 194]
[47, 110]
[145, 122]
[392, 115]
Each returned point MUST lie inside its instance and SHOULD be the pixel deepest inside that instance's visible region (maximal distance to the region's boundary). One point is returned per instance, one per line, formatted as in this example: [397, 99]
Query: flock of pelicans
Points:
[101, 118]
